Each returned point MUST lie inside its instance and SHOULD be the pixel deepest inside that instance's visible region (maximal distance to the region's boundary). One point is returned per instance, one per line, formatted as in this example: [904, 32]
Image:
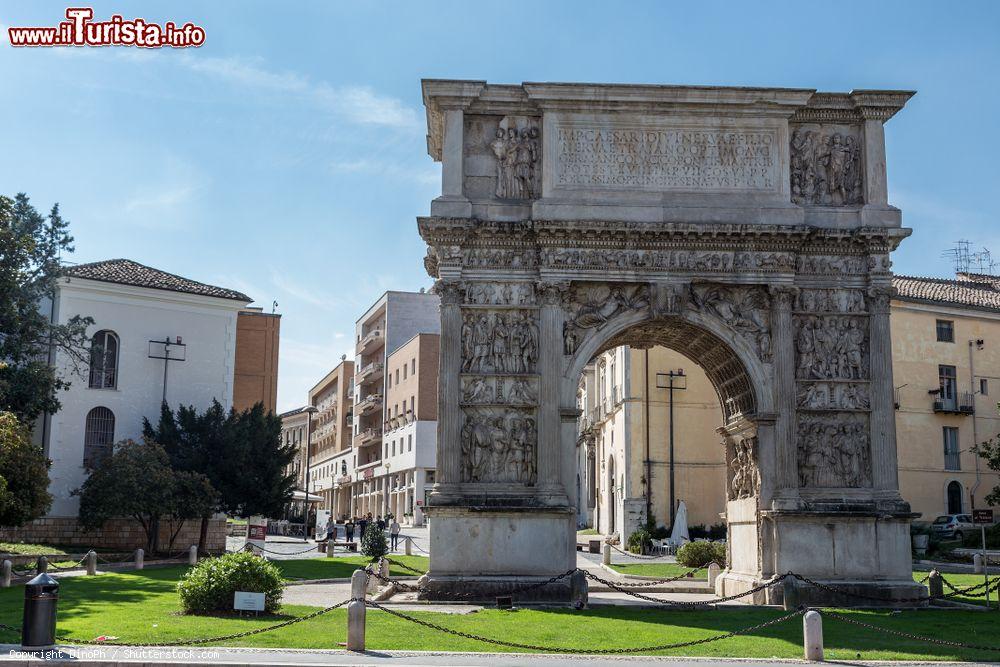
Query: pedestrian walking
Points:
[394, 533]
[349, 530]
[331, 531]
[380, 522]
[362, 527]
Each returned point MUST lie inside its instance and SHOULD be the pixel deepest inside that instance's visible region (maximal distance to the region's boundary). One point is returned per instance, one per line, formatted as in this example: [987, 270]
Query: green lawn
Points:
[587, 531]
[29, 549]
[964, 581]
[144, 607]
[665, 570]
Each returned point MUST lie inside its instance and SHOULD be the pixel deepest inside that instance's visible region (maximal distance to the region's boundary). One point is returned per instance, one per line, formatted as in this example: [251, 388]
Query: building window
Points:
[390, 379]
[393, 447]
[409, 443]
[954, 498]
[951, 457]
[945, 331]
[99, 434]
[397, 376]
[413, 366]
[104, 360]
[404, 371]
[984, 387]
[948, 382]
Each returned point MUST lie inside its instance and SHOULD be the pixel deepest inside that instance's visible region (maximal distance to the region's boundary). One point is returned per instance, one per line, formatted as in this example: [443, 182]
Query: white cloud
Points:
[303, 293]
[358, 104]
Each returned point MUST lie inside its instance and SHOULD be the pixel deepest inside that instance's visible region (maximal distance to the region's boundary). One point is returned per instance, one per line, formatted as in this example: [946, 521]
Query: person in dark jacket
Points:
[349, 530]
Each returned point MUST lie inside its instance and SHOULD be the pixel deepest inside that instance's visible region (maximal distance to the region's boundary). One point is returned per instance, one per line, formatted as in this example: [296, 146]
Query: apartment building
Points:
[946, 363]
[333, 398]
[393, 323]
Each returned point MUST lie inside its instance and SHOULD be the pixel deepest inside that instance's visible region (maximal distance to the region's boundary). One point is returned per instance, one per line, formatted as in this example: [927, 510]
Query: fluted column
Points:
[883, 415]
[550, 350]
[449, 446]
[783, 348]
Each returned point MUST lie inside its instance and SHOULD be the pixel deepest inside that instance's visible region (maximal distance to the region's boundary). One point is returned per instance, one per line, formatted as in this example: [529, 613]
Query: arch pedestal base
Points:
[479, 553]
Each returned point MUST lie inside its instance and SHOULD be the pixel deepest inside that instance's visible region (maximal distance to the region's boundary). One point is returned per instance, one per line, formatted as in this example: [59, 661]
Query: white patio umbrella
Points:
[679, 532]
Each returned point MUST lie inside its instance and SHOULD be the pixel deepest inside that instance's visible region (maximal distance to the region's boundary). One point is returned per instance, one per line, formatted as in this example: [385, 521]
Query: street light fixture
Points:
[310, 410]
[385, 510]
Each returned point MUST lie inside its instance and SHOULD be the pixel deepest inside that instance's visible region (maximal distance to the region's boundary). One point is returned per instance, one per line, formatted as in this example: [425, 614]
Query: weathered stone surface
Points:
[747, 228]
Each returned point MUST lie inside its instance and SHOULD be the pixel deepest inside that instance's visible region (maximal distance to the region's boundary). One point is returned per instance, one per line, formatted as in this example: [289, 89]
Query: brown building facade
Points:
[255, 377]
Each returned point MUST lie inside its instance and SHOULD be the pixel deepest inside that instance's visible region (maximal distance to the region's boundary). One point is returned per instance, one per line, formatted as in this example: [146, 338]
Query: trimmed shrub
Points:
[639, 541]
[209, 586]
[373, 543]
[700, 554]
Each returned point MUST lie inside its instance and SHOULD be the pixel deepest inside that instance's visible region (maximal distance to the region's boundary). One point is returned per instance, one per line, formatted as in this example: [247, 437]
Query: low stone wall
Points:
[125, 534]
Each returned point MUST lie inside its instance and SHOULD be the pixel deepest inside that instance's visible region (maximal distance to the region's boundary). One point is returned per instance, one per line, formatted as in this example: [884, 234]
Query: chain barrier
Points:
[408, 588]
[962, 591]
[253, 548]
[208, 640]
[908, 635]
[403, 566]
[582, 651]
[657, 582]
[677, 603]
[75, 566]
[632, 555]
[862, 596]
[418, 547]
[10, 628]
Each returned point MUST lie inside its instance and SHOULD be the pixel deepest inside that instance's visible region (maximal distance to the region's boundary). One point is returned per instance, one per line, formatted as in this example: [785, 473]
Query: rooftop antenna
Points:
[274, 307]
[967, 261]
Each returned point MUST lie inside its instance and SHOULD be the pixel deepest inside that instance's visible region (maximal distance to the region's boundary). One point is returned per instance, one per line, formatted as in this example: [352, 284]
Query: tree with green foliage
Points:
[989, 451]
[137, 481]
[30, 249]
[241, 453]
[373, 542]
[24, 474]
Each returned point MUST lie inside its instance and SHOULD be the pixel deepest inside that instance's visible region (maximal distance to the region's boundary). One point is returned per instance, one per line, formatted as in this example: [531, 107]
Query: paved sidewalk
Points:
[156, 656]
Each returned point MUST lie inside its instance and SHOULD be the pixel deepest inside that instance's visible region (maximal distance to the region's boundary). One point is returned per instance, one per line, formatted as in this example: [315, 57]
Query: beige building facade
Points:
[946, 370]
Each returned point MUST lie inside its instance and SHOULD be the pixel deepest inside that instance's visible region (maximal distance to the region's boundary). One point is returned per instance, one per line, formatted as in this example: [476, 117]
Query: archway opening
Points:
[675, 406]
[954, 497]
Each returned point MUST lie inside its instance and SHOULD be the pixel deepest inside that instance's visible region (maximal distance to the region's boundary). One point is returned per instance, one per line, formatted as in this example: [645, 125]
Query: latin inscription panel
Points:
[676, 157]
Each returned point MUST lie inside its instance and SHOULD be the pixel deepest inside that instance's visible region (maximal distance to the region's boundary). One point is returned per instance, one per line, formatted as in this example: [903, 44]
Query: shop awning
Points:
[300, 496]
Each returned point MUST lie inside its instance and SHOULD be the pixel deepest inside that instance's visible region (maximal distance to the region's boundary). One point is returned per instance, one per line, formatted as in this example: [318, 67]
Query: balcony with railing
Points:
[370, 372]
[371, 341]
[399, 421]
[368, 436]
[961, 403]
[368, 404]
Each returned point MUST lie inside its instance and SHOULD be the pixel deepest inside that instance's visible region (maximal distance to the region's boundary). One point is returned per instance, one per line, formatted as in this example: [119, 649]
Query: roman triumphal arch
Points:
[747, 228]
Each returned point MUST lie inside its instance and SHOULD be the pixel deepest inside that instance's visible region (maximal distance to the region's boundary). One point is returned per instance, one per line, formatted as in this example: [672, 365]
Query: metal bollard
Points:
[331, 550]
[934, 586]
[38, 625]
[41, 565]
[383, 570]
[713, 573]
[372, 581]
[977, 564]
[812, 635]
[408, 545]
[789, 593]
[193, 554]
[140, 559]
[91, 562]
[5, 573]
[606, 555]
[356, 612]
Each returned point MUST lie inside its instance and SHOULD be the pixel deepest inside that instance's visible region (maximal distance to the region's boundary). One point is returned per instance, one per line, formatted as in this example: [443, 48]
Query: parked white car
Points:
[955, 526]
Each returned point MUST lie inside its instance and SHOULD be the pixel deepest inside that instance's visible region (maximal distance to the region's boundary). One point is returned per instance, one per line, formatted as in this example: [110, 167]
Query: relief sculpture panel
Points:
[500, 294]
[499, 445]
[745, 474]
[499, 342]
[833, 451]
[745, 309]
[591, 305]
[831, 347]
[826, 166]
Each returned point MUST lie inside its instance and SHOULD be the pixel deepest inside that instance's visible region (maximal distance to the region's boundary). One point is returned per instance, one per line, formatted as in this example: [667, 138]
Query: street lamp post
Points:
[310, 411]
[385, 510]
[679, 373]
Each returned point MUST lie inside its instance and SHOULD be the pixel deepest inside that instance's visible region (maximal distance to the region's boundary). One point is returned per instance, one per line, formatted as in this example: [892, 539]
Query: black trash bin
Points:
[41, 596]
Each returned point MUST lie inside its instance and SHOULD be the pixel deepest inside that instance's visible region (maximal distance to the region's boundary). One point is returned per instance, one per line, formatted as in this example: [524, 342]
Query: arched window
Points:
[104, 360]
[954, 498]
[98, 436]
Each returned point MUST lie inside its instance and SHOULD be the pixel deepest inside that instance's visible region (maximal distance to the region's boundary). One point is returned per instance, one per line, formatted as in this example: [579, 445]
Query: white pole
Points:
[193, 555]
[713, 573]
[356, 612]
[91, 562]
[812, 635]
[5, 573]
[606, 556]
[408, 546]
[140, 559]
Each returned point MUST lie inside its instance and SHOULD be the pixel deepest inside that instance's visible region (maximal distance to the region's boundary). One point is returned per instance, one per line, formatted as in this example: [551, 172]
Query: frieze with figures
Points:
[831, 347]
[833, 450]
[500, 294]
[499, 342]
[499, 445]
[499, 390]
[745, 473]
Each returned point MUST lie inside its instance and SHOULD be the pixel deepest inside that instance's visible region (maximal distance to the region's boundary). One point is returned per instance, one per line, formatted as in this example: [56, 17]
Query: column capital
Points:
[784, 296]
[452, 292]
[880, 298]
[553, 292]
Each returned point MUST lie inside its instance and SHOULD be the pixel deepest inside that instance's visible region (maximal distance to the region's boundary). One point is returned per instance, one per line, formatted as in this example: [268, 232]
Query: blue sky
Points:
[286, 157]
